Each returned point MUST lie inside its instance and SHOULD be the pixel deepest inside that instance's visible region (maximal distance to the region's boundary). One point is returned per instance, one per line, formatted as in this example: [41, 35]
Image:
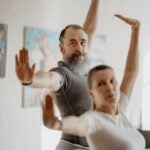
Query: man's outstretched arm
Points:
[91, 20]
[27, 76]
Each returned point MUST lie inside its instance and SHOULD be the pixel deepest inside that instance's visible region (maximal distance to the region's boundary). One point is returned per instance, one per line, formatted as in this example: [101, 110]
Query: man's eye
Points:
[101, 83]
[83, 43]
[72, 43]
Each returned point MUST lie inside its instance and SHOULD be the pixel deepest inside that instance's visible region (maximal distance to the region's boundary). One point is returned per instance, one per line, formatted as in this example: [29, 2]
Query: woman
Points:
[105, 127]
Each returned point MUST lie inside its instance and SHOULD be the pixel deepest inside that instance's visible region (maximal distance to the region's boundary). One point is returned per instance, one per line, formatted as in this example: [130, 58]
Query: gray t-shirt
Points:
[72, 98]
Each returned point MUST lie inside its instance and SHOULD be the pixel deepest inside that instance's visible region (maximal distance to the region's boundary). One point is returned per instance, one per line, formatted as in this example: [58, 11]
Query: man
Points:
[67, 80]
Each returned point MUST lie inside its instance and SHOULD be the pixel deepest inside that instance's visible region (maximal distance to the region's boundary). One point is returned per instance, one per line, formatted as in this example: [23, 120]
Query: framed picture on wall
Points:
[43, 50]
[3, 48]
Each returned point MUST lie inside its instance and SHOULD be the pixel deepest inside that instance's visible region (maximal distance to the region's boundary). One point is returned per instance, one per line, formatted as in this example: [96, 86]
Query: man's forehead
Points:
[71, 30]
[75, 34]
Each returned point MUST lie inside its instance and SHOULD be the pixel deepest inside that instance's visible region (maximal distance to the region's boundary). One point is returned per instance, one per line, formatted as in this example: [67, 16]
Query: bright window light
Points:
[146, 93]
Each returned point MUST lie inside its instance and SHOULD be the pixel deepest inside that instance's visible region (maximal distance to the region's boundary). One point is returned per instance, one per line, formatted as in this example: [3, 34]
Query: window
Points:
[146, 93]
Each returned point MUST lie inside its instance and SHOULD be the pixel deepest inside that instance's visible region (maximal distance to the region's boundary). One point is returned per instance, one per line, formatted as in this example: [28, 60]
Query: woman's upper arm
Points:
[128, 82]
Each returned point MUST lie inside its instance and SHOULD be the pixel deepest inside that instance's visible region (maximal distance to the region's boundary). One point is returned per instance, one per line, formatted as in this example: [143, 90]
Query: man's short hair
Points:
[93, 70]
[74, 26]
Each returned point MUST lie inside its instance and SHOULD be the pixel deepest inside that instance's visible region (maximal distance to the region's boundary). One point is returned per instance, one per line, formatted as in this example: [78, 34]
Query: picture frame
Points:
[43, 50]
[3, 49]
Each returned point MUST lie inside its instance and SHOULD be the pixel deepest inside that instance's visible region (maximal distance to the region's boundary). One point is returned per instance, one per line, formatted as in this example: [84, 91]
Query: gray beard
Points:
[80, 69]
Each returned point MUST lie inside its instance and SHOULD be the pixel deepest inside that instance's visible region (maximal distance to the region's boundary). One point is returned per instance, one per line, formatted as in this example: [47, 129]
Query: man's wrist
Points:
[26, 84]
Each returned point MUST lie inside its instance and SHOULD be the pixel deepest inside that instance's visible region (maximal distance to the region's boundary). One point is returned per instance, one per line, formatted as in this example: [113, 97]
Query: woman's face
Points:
[104, 90]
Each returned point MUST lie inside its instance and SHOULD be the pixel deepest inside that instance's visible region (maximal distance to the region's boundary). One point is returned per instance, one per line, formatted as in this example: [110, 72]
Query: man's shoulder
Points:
[60, 66]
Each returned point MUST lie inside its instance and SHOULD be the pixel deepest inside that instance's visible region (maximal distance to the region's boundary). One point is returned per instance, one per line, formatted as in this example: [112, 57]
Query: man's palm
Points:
[24, 72]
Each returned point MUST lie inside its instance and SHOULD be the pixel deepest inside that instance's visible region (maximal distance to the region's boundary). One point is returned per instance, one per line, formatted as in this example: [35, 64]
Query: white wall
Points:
[21, 129]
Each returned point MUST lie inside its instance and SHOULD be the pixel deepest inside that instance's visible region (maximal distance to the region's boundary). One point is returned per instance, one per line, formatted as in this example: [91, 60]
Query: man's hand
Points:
[24, 72]
[133, 22]
[49, 118]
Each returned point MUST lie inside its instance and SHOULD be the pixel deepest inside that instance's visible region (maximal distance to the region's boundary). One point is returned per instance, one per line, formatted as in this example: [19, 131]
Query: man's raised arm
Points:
[91, 20]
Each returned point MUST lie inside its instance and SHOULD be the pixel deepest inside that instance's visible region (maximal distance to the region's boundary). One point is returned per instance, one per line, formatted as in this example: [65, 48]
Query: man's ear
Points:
[61, 48]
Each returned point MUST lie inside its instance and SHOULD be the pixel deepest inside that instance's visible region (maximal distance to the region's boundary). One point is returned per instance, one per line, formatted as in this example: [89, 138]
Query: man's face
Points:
[105, 90]
[74, 46]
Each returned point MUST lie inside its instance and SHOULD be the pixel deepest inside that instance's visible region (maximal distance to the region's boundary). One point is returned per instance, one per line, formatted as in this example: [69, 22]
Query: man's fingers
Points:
[48, 102]
[26, 56]
[47, 105]
[17, 61]
[33, 68]
[20, 56]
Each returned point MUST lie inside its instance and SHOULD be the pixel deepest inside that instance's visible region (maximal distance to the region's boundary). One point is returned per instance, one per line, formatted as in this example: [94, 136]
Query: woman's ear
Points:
[92, 98]
[91, 94]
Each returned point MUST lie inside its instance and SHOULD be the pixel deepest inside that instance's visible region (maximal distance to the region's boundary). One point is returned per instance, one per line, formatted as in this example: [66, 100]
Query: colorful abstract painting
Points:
[44, 52]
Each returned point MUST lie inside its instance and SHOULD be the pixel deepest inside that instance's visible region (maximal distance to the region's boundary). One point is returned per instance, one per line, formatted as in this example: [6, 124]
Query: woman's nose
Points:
[109, 87]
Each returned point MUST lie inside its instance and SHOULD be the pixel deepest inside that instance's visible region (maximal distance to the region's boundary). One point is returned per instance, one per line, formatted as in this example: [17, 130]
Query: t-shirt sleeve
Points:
[65, 78]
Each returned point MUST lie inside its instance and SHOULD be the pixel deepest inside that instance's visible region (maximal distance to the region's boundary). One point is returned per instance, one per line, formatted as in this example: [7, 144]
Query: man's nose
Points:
[78, 46]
